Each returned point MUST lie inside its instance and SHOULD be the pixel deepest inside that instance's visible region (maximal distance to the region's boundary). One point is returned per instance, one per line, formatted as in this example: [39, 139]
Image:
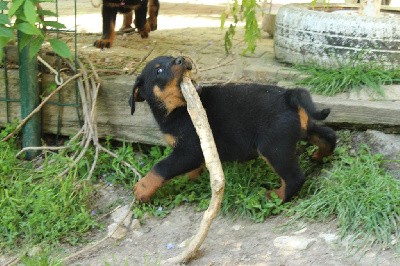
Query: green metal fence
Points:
[30, 92]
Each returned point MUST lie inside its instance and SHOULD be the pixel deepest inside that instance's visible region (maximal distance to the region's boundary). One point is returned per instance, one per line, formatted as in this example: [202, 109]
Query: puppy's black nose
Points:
[179, 60]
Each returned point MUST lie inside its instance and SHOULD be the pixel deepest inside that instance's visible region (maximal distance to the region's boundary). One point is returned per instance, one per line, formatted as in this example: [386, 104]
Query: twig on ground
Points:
[49, 148]
[97, 243]
[217, 66]
[133, 71]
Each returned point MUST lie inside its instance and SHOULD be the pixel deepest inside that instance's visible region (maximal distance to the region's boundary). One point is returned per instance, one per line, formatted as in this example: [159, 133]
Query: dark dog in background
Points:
[247, 121]
[111, 8]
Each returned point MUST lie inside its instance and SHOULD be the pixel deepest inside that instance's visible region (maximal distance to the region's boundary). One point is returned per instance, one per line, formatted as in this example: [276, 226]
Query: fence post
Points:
[30, 98]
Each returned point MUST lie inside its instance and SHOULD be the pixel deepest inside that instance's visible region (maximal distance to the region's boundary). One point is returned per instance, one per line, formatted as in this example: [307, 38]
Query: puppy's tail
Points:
[301, 98]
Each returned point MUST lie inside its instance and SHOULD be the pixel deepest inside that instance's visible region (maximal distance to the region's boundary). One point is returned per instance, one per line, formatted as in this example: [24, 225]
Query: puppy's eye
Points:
[159, 70]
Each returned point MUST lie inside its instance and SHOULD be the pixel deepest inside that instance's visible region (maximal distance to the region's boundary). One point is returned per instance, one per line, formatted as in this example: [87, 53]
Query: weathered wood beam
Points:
[114, 117]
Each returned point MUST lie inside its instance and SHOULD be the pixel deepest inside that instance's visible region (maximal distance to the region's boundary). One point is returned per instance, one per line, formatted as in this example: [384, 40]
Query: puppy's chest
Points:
[179, 131]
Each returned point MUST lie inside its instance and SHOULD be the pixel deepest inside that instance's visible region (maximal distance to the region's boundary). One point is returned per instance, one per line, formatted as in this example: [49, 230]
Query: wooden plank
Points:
[114, 117]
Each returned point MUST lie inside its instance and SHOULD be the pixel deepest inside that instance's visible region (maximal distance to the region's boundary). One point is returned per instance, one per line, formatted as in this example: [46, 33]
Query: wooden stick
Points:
[213, 163]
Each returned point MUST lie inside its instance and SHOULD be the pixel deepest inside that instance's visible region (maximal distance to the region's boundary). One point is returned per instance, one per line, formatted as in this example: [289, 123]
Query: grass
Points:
[360, 194]
[348, 77]
[40, 209]
[244, 196]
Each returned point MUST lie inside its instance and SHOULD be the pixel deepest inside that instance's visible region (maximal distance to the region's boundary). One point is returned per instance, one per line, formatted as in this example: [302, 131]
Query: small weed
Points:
[242, 10]
[348, 77]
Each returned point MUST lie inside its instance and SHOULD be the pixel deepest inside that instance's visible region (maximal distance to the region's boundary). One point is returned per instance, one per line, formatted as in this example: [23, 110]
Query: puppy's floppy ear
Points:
[135, 96]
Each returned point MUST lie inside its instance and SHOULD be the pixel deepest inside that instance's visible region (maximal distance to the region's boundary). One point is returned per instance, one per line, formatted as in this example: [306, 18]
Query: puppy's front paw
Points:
[147, 186]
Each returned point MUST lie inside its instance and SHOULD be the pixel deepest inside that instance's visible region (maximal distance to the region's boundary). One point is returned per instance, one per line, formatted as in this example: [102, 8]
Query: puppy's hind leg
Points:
[285, 164]
[324, 138]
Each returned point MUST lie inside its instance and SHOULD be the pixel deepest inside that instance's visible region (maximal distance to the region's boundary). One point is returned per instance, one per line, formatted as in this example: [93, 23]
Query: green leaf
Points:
[54, 24]
[34, 46]
[14, 7]
[60, 48]
[28, 29]
[4, 19]
[3, 42]
[23, 40]
[223, 19]
[30, 12]
[6, 32]
[46, 13]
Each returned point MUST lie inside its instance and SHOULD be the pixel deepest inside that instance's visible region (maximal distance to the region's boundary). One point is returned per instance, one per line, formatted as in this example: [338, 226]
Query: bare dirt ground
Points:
[192, 28]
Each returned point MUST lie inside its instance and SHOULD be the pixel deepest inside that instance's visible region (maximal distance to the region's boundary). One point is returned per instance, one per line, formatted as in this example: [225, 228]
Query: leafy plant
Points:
[246, 10]
[351, 76]
[24, 16]
[359, 193]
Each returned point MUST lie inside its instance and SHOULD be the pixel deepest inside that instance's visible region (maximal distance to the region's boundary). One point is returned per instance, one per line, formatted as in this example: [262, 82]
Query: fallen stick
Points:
[213, 164]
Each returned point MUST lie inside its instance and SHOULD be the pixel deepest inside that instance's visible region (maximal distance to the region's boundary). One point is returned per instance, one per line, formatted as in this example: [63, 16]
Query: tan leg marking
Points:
[171, 140]
[303, 118]
[324, 149]
[280, 192]
[147, 186]
[195, 173]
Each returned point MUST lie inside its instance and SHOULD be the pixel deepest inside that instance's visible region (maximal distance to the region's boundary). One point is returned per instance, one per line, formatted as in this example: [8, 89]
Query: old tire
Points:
[305, 36]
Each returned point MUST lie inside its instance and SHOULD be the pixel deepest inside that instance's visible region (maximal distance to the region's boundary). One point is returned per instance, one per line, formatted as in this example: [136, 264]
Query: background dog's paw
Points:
[103, 43]
[144, 33]
[153, 23]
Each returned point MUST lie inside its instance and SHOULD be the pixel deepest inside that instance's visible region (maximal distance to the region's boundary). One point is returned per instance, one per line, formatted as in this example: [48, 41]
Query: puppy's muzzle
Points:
[186, 63]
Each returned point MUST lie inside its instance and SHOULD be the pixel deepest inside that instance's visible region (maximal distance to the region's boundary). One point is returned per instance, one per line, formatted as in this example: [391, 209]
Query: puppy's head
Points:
[159, 83]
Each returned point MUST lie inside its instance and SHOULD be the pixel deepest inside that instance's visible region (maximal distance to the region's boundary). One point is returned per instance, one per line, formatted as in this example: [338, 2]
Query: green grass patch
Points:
[245, 188]
[37, 207]
[348, 77]
[245, 193]
[360, 194]
[40, 209]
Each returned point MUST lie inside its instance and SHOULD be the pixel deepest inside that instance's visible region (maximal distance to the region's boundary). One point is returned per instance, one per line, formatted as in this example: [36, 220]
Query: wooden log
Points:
[114, 117]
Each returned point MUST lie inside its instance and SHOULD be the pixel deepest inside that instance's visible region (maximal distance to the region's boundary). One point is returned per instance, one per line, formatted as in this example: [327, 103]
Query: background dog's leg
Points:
[109, 17]
[154, 6]
[141, 23]
[127, 23]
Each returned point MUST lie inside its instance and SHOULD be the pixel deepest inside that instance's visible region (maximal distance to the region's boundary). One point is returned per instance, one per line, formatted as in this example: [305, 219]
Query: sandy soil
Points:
[192, 28]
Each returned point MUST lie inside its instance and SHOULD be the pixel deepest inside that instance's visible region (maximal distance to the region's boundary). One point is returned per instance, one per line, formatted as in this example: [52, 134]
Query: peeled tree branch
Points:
[213, 164]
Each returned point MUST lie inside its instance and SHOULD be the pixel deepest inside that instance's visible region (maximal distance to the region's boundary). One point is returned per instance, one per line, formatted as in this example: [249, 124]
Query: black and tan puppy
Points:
[247, 121]
[109, 12]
